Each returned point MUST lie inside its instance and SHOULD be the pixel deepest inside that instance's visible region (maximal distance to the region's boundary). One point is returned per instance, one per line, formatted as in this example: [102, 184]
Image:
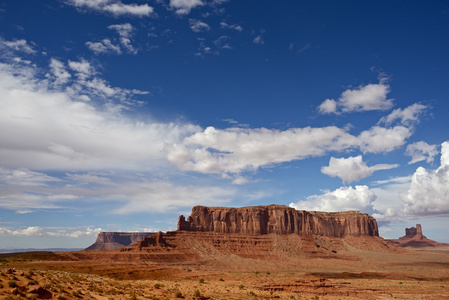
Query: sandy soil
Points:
[356, 275]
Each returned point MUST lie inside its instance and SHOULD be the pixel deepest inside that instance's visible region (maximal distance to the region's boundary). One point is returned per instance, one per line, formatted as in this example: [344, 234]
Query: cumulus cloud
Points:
[342, 199]
[328, 106]
[363, 98]
[352, 168]
[114, 7]
[235, 150]
[420, 151]
[198, 26]
[183, 7]
[428, 193]
[380, 139]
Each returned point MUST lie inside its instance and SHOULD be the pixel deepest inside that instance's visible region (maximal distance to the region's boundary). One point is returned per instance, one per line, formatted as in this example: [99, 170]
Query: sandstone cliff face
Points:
[117, 240]
[278, 219]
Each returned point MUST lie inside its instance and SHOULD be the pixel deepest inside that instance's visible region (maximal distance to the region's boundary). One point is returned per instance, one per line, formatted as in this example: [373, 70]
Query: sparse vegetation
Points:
[12, 283]
[178, 294]
[196, 293]
[171, 283]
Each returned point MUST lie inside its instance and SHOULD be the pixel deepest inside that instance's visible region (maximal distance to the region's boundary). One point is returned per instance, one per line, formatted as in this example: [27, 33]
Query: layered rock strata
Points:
[117, 240]
[278, 219]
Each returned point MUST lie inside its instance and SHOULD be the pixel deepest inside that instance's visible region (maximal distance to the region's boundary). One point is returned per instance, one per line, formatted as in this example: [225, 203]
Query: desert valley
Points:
[260, 252]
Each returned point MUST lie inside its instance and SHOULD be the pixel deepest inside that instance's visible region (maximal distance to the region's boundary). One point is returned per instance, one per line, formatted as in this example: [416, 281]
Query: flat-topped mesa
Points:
[278, 219]
[117, 240]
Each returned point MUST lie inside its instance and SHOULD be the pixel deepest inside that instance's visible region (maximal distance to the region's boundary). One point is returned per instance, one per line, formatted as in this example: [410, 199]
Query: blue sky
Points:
[121, 115]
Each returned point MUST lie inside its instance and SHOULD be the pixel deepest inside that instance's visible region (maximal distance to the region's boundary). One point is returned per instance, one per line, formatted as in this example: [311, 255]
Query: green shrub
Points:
[196, 293]
[157, 285]
[241, 286]
[221, 279]
[12, 283]
[202, 280]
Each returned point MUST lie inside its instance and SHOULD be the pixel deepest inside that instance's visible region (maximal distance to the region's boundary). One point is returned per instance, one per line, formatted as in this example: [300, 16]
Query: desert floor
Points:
[363, 275]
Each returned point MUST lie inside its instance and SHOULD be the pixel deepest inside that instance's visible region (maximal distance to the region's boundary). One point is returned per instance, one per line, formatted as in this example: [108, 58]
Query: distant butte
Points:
[117, 240]
[414, 239]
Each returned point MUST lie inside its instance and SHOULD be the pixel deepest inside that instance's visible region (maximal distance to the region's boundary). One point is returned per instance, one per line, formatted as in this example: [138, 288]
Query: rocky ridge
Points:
[117, 240]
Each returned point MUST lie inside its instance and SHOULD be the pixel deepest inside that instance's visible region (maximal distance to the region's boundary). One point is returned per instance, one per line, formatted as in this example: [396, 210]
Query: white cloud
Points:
[20, 201]
[407, 116]
[58, 72]
[51, 129]
[235, 150]
[24, 177]
[352, 168]
[341, 199]
[232, 26]
[380, 139]
[428, 193]
[89, 178]
[420, 151]
[36, 231]
[183, 7]
[259, 40]
[364, 98]
[240, 180]
[104, 47]
[198, 26]
[161, 196]
[328, 106]
[124, 30]
[114, 7]
[82, 68]
[114, 46]
[18, 45]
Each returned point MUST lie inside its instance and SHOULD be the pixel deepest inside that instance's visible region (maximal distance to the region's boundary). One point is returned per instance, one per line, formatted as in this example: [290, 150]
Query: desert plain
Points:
[355, 274]
[264, 252]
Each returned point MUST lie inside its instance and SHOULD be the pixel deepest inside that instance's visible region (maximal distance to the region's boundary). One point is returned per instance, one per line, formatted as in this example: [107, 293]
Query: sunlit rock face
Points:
[278, 219]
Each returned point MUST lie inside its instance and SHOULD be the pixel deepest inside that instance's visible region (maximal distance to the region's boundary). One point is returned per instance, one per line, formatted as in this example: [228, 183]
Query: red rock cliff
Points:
[278, 219]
